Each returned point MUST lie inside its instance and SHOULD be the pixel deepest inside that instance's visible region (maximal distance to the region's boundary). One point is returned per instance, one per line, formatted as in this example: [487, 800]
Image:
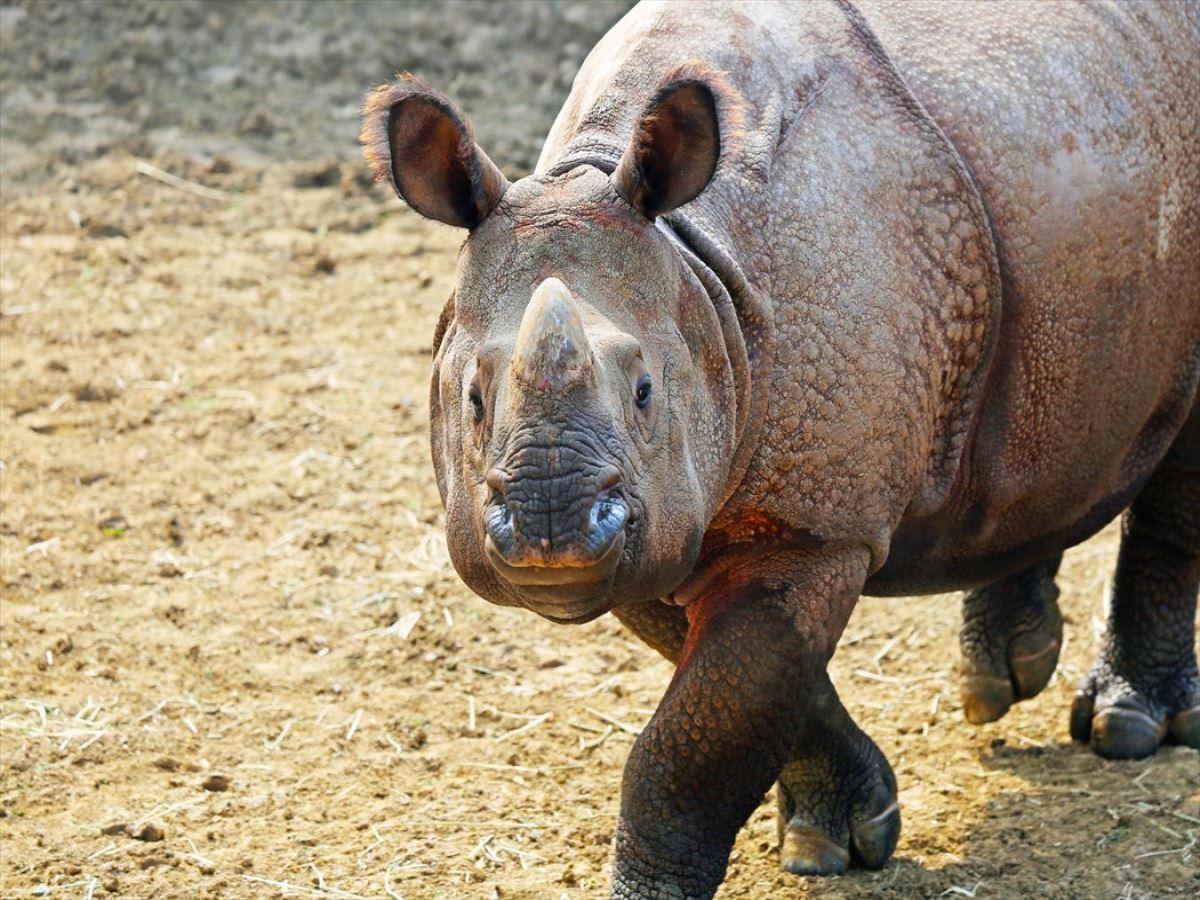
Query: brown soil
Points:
[235, 661]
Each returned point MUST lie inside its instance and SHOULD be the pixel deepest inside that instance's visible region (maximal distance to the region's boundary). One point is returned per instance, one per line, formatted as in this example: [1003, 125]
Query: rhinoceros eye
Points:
[642, 395]
[476, 398]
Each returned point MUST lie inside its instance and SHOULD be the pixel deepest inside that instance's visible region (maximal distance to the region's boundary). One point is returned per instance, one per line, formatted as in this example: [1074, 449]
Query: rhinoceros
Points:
[806, 301]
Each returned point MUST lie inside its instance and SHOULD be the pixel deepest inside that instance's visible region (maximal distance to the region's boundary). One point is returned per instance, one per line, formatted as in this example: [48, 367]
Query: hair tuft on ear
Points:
[375, 109]
[415, 139]
[693, 117]
[729, 101]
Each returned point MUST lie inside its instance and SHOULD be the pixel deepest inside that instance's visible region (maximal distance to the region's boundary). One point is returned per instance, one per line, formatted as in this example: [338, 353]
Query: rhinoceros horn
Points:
[552, 350]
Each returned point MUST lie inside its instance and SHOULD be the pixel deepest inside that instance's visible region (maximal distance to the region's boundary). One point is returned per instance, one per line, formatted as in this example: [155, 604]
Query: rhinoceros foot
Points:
[1121, 722]
[837, 801]
[1144, 688]
[1011, 635]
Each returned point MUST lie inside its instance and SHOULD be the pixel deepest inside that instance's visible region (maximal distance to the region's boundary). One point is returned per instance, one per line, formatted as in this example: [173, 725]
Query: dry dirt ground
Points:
[234, 659]
[260, 80]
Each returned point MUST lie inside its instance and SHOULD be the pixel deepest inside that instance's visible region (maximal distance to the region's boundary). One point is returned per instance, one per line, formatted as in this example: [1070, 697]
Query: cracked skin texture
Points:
[931, 317]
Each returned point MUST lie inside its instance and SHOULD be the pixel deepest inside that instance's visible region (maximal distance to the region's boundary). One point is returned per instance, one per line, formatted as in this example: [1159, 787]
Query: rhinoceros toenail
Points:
[806, 851]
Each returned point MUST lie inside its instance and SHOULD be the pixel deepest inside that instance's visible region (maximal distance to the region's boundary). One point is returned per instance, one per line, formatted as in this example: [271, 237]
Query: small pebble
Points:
[324, 175]
[151, 833]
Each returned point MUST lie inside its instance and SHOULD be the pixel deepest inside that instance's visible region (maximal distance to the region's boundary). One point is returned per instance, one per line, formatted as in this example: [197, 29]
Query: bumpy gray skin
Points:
[934, 318]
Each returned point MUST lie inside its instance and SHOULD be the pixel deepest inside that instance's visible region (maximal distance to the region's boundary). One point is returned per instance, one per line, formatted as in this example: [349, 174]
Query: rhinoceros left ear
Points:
[675, 145]
[415, 139]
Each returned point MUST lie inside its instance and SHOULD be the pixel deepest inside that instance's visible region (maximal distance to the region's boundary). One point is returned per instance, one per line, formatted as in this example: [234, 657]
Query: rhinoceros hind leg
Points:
[837, 799]
[1144, 687]
[1010, 638]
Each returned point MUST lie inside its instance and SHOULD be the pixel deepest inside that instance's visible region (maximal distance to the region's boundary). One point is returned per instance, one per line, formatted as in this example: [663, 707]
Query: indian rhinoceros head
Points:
[582, 400]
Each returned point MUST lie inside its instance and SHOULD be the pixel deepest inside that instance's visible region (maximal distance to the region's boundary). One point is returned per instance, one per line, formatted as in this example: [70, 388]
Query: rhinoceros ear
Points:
[675, 146]
[415, 139]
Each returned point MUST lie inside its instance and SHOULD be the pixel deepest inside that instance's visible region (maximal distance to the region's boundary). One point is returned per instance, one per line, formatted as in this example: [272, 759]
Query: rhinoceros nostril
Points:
[608, 505]
[603, 511]
[607, 518]
[498, 522]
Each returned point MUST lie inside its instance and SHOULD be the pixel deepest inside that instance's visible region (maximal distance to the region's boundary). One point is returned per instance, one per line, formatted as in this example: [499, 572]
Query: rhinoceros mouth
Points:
[558, 576]
[553, 603]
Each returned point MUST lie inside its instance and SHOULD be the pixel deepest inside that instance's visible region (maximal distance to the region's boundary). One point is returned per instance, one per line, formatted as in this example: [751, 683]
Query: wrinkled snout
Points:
[553, 529]
[556, 514]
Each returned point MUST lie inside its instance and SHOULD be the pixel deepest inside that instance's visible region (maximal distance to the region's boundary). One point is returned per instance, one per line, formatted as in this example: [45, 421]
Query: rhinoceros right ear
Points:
[675, 145]
[415, 139]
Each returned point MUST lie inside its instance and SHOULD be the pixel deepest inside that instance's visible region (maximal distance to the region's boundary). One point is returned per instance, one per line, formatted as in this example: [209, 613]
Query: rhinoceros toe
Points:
[1184, 727]
[807, 851]
[873, 840]
[985, 698]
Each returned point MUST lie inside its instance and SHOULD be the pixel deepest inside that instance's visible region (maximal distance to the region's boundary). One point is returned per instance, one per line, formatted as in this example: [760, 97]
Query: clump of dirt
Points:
[234, 658]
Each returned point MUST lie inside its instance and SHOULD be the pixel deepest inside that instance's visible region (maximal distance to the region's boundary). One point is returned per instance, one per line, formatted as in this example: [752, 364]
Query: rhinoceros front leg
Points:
[750, 689]
[836, 794]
